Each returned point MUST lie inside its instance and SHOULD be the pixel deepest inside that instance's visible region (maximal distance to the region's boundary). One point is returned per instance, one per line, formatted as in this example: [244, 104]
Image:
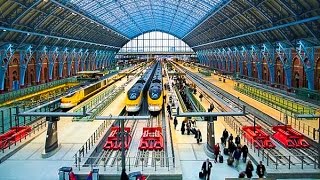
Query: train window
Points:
[133, 96]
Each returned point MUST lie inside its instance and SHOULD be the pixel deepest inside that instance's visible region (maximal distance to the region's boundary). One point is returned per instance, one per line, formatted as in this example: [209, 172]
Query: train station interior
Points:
[159, 89]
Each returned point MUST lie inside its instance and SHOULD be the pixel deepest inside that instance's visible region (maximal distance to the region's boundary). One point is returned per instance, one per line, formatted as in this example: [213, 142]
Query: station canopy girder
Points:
[202, 24]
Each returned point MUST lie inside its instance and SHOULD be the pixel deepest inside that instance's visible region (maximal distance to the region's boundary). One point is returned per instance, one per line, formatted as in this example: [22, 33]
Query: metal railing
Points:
[90, 143]
[100, 102]
[273, 100]
[183, 106]
[194, 100]
[8, 117]
[30, 90]
[130, 164]
[273, 160]
[35, 127]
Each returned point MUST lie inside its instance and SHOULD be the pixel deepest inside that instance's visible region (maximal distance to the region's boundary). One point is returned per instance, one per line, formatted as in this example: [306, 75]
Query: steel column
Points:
[285, 55]
[25, 56]
[306, 54]
[5, 57]
[41, 55]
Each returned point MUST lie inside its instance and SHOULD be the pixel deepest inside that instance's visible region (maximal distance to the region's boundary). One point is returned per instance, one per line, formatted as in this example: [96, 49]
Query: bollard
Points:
[267, 159]
[79, 160]
[289, 162]
[142, 165]
[276, 162]
[129, 163]
[76, 158]
[302, 162]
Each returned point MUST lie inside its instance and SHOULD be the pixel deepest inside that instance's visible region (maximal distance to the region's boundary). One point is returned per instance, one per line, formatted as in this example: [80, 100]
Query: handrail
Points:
[183, 106]
[130, 165]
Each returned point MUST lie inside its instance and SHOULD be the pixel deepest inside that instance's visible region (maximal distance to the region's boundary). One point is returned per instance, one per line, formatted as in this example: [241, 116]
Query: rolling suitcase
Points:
[230, 161]
[201, 175]
[220, 159]
[225, 151]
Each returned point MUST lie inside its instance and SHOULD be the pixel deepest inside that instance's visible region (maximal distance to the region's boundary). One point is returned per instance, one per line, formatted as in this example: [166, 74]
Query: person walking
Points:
[237, 155]
[216, 151]
[183, 128]
[206, 169]
[198, 136]
[188, 127]
[249, 169]
[225, 135]
[230, 138]
[244, 151]
[237, 140]
[200, 97]
[175, 122]
[261, 169]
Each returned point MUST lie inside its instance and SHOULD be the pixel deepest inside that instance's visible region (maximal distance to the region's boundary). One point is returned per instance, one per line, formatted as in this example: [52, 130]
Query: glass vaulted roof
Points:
[135, 17]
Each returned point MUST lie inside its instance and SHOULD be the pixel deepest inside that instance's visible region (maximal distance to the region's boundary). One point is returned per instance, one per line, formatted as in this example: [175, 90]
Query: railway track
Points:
[308, 153]
[152, 158]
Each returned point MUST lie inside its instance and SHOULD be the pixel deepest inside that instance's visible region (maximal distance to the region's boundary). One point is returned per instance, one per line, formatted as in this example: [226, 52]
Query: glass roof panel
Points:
[134, 17]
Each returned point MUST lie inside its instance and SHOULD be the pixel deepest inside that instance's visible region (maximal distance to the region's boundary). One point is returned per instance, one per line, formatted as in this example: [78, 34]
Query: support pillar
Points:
[25, 56]
[41, 55]
[306, 54]
[210, 133]
[53, 55]
[5, 58]
[52, 145]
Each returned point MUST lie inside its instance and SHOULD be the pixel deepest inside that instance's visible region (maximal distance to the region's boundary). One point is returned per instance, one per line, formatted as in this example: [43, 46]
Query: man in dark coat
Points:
[198, 136]
[244, 151]
[175, 122]
[261, 169]
[206, 169]
[237, 140]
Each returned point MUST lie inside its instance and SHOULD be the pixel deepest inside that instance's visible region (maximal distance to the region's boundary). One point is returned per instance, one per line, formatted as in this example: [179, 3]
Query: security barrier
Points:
[151, 139]
[257, 136]
[289, 137]
[114, 139]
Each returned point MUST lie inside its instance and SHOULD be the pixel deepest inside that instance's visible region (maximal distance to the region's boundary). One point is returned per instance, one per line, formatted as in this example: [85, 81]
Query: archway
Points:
[45, 71]
[254, 71]
[297, 71]
[265, 71]
[245, 70]
[279, 75]
[317, 75]
[31, 77]
[15, 82]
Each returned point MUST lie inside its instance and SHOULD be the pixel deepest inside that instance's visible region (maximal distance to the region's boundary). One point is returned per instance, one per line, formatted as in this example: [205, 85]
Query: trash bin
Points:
[95, 174]
[64, 173]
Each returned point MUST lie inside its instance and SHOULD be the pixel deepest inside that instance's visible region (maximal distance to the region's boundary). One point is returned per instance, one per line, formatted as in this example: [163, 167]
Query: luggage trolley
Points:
[137, 176]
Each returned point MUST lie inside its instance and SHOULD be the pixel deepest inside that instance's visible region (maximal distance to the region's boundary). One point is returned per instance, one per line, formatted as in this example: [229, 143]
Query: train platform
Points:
[28, 161]
[36, 94]
[303, 126]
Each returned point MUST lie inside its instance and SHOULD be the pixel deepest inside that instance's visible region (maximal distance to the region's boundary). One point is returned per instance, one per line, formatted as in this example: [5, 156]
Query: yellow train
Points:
[155, 93]
[136, 92]
[89, 89]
